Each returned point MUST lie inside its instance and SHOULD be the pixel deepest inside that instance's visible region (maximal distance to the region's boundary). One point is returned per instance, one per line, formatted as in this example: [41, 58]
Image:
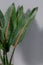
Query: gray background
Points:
[30, 51]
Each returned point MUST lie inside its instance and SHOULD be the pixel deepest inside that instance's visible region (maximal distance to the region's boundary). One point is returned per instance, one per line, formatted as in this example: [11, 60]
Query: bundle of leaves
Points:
[13, 26]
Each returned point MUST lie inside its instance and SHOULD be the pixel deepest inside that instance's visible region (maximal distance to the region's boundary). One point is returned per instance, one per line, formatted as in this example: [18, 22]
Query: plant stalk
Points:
[12, 56]
[5, 59]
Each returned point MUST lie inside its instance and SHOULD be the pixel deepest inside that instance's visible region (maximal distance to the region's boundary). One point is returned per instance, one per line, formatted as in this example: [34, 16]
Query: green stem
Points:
[12, 56]
[5, 59]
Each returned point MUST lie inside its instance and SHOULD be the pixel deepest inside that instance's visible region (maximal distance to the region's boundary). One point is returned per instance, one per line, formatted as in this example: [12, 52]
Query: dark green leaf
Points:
[2, 23]
[1, 47]
[2, 20]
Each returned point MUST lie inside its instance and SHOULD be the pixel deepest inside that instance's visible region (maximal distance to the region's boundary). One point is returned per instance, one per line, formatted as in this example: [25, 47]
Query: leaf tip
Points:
[12, 3]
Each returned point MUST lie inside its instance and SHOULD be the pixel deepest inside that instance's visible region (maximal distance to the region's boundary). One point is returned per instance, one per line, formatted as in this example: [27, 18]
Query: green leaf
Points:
[19, 16]
[13, 26]
[1, 34]
[2, 23]
[11, 14]
[28, 19]
[10, 25]
[21, 23]
[10, 17]
[33, 13]
[2, 20]
[1, 47]
[14, 17]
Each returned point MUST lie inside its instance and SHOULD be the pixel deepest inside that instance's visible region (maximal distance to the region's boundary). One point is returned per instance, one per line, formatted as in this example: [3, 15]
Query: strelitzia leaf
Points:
[1, 34]
[19, 16]
[21, 24]
[33, 13]
[1, 47]
[10, 17]
[2, 20]
[13, 25]
[31, 17]
[13, 17]
[27, 22]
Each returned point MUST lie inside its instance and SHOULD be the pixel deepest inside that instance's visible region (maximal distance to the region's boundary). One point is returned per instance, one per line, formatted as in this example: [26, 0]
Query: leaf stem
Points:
[12, 56]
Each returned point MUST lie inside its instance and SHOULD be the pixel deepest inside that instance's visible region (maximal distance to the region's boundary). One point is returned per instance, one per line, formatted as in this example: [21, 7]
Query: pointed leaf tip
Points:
[35, 9]
[33, 12]
[12, 3]
[22, 7]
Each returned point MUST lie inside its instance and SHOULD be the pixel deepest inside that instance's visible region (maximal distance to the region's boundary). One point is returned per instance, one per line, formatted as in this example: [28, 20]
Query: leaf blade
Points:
[28, 21]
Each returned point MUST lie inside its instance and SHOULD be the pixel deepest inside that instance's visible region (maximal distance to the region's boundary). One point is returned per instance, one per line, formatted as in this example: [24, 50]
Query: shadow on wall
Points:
[32, 45]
